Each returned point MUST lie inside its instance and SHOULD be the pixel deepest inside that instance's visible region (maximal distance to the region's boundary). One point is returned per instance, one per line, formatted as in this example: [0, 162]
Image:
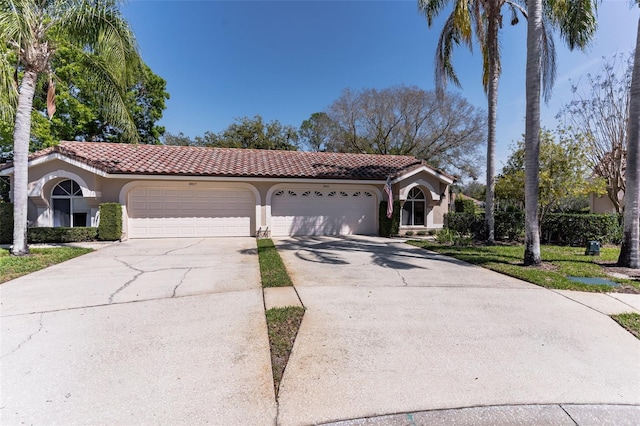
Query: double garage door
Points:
[158, 212]
[323, 211]
[189, 212]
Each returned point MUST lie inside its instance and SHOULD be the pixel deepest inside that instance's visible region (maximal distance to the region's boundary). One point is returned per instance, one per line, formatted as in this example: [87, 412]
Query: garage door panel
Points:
[322, 211]
[168, 212]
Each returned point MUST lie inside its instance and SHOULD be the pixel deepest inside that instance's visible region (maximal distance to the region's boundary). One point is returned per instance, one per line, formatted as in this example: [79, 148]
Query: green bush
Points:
[509, 225]
[466, 224]
[61, 235]
[110, 228]
[388, 227]
[421, 233]
[576, 229]
[6, 223]
[409, 233]
[559, 228]
[463, 204]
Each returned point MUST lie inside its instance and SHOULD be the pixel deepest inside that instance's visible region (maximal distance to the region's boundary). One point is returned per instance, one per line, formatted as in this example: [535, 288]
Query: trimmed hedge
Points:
[61, 235]
[561, 228]
[464, 205]
[110, 227]
[6, 223]
[389, 227]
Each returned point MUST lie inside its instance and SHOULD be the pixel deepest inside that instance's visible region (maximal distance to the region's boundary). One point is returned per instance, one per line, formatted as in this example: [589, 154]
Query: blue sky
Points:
[286, 60]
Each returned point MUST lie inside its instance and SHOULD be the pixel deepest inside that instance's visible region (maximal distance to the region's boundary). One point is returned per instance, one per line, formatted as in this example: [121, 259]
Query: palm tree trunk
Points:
[532, 133]
[492, 98]
[630, 238]
[21, 136]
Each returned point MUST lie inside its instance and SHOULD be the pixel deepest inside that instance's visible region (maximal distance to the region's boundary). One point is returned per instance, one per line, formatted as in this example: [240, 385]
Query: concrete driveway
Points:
[141, 332]
[391, 328]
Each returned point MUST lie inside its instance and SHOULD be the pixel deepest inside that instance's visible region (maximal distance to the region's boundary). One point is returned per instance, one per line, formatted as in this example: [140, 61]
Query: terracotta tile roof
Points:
[116, 158]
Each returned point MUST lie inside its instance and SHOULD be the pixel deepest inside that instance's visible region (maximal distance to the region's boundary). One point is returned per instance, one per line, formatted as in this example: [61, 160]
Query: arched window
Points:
[414, 208]
[69, 208]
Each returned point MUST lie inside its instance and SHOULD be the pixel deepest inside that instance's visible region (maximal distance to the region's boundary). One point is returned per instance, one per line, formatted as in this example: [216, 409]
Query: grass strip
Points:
[272, 270]
[559, 262]
[630, 321]
[283, 325]
[12, 267]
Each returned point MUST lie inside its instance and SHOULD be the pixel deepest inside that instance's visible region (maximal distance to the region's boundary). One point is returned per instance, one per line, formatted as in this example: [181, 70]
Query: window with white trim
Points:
[413, 210]
[70, 209]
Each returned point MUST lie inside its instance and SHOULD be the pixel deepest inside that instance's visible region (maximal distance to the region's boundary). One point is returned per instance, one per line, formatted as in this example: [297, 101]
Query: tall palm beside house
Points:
[576, 22]
[629, 253]
[482, 18]
[30, 31]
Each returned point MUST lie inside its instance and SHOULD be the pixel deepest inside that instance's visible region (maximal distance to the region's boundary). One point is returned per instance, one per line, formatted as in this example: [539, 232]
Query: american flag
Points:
[387, 189]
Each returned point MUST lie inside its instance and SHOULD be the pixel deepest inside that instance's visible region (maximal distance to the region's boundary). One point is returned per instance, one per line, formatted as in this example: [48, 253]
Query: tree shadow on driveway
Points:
[387, 253]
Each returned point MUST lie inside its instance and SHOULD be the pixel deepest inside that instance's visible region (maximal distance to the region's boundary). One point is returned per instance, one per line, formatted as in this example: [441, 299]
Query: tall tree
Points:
[254, 133]
[563, 174]
[576, 22]
[599, 114]
[401, 120]
[33, 29]
[316, 132]
[482, 18]
[630, 252]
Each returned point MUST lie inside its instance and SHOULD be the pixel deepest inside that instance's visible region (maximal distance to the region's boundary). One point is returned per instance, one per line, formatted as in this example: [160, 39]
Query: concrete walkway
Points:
[391, 328]
[142, 332]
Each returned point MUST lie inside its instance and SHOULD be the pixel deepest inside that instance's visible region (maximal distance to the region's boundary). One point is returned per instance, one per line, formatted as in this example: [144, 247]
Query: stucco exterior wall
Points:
[98, 189]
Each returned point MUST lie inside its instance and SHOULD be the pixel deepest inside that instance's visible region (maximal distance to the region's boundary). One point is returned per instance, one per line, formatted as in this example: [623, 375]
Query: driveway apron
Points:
[142, 332]
[391, 328]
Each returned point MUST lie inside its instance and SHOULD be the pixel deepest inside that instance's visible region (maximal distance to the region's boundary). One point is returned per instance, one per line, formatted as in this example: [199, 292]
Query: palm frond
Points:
[431, 8]
[548, 59]
[444, 71]
[113, 94]
[575, 19]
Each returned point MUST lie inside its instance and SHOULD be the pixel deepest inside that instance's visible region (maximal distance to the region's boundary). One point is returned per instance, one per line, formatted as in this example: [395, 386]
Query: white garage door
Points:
[322, 211]
[186, 212]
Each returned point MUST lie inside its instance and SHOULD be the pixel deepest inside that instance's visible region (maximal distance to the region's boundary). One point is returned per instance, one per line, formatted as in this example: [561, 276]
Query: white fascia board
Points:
[56, 156]
[429, 170]
[242, 179]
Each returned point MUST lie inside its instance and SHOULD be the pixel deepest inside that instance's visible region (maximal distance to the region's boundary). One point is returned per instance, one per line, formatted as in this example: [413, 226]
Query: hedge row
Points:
[110, 228]
[561, 228]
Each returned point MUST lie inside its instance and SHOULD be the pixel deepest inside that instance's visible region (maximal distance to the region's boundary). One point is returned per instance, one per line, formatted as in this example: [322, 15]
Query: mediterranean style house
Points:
[178, 191]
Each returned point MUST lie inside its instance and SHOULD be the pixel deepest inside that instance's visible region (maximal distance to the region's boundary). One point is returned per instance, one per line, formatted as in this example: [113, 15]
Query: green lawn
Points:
[558, 263]
[283, 325]
[629, 321]
[272, 270]
[13, 266]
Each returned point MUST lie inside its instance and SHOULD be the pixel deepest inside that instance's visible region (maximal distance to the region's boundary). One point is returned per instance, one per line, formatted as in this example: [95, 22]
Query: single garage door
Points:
[323, 211]
[188, 212]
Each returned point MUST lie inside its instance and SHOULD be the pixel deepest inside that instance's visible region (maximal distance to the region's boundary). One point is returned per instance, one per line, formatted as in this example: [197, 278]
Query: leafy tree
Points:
[317, 131]
[244, 133]
[80, 110]
[563, 176]
[577, 24]
[482, 19]
[178, 140]
[630, 250]
[254, 133]
[600, 115]
[474, 189]
[446, 131]
[33, 30]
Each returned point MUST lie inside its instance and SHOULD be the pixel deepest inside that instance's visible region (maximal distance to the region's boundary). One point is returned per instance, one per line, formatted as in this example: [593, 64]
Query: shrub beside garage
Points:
[110, 228]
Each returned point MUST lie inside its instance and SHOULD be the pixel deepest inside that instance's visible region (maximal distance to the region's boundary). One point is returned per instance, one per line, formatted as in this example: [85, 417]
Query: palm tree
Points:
[484, 19]
[629, 253]
[30, 30]
[577, 24]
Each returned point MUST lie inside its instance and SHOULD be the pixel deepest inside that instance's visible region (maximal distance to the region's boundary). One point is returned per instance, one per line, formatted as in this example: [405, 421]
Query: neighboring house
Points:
[174, 191]
[601, 204]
